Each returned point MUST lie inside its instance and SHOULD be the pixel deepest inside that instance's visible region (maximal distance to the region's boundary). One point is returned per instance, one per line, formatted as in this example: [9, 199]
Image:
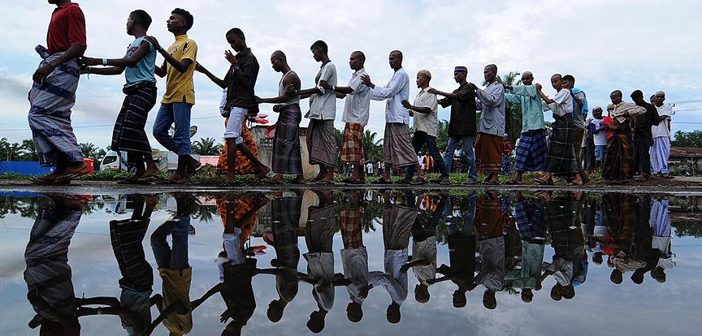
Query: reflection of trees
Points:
[24, 206]
[205, 213]
[687, 225]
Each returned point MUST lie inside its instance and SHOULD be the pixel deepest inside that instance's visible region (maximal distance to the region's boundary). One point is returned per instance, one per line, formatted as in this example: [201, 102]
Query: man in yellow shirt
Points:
[178, 67]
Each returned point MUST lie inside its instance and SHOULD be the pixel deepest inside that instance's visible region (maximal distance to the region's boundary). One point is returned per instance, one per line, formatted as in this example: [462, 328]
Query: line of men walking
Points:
[55, 82]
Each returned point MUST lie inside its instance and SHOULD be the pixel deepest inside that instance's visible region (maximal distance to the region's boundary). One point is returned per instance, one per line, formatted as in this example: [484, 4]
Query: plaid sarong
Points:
[129, 134]
[530, 217]
[397, 149]
[287, 158]
[50, 113]
[126, 236]
[531, 151]
[352, 144]
[321, 142]
[560, 160]
[488, 153]
[350, 224]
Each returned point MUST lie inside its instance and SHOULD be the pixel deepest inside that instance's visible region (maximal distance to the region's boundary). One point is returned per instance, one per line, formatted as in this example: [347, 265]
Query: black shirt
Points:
[462, 121]
[240, 88]
[643, 122]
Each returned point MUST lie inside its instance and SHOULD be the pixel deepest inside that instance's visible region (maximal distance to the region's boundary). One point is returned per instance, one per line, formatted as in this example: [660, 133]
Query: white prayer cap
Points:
[660, 93]
[528, 73]
[424, 73]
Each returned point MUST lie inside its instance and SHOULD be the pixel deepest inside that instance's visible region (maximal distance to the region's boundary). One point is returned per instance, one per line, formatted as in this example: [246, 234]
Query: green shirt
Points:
[530, 102]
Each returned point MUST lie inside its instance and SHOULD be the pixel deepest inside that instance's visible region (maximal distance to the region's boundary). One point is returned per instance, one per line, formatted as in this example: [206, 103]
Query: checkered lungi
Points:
[531, 151]
[560, 160]
[350, 225]
[352, 144]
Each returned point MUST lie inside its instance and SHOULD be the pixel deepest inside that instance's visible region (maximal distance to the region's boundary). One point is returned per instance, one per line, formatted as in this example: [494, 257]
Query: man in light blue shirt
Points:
[531, 150]
[397, 149]
[491, 131]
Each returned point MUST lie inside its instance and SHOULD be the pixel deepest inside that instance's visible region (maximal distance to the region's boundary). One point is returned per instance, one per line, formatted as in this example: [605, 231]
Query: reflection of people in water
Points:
[618, 211]
[237, 271]
[660, 225]
[641, 250]
[529, 214]
[569, 264]
[173, 265]
[137, 279]
[461, 246]
[48, 275]
[354, 256]
[424, 247]
[319, 235]
[491, 225]
[397, 222]
[285, 212]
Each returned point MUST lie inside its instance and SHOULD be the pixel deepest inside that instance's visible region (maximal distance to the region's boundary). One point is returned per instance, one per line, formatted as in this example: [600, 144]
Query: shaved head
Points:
[397, 53]
[361, 56]
[279, 55]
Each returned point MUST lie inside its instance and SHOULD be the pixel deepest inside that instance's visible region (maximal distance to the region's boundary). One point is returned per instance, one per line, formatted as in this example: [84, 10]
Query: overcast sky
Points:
[606, 45]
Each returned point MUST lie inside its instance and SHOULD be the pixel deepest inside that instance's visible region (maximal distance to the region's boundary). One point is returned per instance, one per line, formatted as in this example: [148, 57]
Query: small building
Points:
[265, 148]
[686, 160]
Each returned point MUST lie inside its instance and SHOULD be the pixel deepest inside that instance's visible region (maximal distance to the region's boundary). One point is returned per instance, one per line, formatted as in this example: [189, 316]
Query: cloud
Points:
[606, 44]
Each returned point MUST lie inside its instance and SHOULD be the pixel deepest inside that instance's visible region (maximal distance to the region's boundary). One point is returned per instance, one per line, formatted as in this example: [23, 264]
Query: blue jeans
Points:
[175, 257]
[418, 141]
[468, 154]
[168, 114]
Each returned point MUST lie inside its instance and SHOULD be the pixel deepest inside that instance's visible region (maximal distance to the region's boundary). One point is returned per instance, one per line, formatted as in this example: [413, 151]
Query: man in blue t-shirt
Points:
[138, 66]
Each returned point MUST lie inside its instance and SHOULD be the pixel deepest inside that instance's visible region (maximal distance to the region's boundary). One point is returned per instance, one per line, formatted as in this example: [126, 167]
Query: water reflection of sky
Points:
[599, 306]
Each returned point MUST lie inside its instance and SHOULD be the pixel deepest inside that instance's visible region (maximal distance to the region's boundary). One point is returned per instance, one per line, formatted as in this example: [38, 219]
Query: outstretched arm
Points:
[220, 82]
[292, 86]
[180, 65]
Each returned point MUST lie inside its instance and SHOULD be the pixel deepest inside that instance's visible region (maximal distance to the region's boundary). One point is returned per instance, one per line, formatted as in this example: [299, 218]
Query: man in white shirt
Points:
[561, 150]
[356, 110]
[397, 149]
[599, 136]
[426, 123]
[369, 168]
[660, 151]
[321, 142]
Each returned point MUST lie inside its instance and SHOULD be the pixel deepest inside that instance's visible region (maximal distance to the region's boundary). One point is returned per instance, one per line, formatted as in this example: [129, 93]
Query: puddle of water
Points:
[350, 263]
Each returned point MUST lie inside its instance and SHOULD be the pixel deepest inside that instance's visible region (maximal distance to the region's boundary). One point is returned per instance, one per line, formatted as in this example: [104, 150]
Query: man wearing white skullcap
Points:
[660, 151]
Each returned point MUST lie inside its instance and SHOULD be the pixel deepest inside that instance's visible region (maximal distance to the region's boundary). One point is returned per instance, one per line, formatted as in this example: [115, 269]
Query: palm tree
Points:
[513, 114]
[30, 153]
[207, 146]
[442, 135]
[89, 150]
[371, 147]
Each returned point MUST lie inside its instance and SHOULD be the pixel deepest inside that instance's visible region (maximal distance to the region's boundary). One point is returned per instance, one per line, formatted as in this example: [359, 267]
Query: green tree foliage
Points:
[207, 146]
[89, 150]
[371, 147]
[17, 151]
[687, 139]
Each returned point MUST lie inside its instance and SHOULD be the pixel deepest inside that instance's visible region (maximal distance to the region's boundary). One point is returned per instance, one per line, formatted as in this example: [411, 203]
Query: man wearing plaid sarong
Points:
[53, 94]
[531, 149]
[356, 110]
